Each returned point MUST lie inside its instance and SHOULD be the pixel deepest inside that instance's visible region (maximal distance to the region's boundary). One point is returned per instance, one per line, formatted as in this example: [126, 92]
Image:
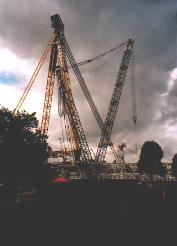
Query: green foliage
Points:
[23, 148]
[150, 159]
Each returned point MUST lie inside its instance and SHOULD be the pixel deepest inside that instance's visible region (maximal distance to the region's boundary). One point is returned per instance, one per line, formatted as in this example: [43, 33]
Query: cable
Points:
[27, 89]
[101, 65]
[99, 56]
[85, 89]
[133, 97]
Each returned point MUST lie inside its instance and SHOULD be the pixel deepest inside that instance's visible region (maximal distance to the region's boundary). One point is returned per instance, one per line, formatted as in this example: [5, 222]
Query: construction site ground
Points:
[95, 210]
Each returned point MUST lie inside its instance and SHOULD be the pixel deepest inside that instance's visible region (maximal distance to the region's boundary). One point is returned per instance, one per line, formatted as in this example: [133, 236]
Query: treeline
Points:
[150, 160]
[24, 151]
[23, 148]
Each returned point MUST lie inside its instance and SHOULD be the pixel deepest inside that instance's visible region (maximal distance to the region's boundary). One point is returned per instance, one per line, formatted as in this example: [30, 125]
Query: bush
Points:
[150, 159]
[23, 148]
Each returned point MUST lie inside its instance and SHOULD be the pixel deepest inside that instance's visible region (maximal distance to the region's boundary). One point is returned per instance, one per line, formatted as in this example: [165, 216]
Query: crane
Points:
[113, 106]
[120, 150]
[58, 69]
[36, 71]
[85, 89]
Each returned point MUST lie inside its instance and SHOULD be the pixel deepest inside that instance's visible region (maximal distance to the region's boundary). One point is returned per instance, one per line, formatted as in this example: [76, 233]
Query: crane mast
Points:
[58, 67]
[49, 89]
[113, 106]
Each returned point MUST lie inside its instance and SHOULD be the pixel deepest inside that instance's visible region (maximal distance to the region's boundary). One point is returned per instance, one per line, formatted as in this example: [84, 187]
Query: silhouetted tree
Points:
[174, 166]
[23, 149]
[150, 159]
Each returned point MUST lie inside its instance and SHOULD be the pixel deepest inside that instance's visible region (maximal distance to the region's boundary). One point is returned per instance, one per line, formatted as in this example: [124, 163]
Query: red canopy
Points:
[60, 180]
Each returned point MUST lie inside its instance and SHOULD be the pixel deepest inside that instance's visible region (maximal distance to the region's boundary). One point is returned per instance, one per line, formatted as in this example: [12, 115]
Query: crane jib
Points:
[113, 106]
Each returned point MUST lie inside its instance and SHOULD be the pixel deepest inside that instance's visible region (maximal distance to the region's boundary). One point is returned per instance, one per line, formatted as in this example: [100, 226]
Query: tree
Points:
[174, 165]
[23, 148]
[150, 159]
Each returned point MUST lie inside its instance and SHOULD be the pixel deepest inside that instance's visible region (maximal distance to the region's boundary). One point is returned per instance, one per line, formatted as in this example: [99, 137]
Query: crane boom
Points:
[113, 106]
[49, 89]
[85, 90]
[37, 69]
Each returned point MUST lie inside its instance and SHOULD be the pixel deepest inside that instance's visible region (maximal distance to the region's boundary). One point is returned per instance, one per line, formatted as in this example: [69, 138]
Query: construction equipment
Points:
[110, 118]
[27, 89]
[133, 96]
[120, 153]
[85, 89]
[58, 68]
[53, 67]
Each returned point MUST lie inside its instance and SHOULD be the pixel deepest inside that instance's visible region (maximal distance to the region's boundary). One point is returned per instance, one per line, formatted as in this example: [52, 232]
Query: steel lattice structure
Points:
[58, 68]
[49, 89]
[113, 106]
[86, 91]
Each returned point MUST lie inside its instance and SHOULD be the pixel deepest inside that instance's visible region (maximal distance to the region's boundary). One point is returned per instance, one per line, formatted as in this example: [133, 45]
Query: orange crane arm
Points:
[49, 89]
[27, 89]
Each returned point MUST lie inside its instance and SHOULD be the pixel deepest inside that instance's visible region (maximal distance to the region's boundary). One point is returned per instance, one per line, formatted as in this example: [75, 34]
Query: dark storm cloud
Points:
[25, 25]
[92, 27]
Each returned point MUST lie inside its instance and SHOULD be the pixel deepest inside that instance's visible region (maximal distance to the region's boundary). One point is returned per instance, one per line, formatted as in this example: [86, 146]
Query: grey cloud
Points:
[25, 25]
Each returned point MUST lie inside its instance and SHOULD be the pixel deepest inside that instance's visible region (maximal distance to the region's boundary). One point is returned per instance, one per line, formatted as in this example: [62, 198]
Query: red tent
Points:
[60, 180]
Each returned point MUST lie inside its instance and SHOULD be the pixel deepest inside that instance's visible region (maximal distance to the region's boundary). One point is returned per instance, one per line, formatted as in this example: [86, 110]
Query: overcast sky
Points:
[92, 27]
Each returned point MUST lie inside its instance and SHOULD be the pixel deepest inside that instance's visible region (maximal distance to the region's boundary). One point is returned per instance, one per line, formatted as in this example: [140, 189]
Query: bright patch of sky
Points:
[12, 67]
[14, 76]
[7, 78]
[171, 80]
[173, 77]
